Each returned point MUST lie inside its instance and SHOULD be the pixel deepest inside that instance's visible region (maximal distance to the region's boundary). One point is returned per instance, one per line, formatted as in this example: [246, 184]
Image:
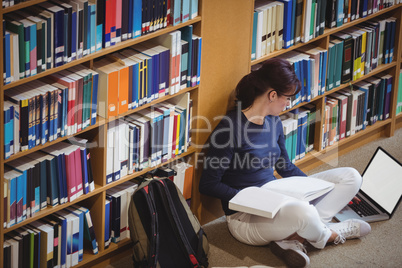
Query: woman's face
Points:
[279, 103]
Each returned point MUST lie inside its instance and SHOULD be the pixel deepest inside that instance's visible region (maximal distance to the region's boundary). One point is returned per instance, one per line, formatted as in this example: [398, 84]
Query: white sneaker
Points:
[292, 252]
[350, 229]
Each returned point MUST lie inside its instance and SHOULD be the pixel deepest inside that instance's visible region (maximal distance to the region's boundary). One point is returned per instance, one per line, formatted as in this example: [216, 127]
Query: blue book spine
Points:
[130, 19]
[287, 25]
[49, 63]
[303, 82]
[32, 49]
[308, 79]
[27, 37]
[60, 177]
[297, 72]
[88, 30]
[58, 119]
[339, 13]
[67, 45]
[84, 169]
[187, 35]
[93, 27]
[155, 76]
[63, 242]
[199, 61]
[193, 9]
[135, 81]
[43, 186]
[392, 43]
[95, 85]
[292, 29]
[65, 105]
[51, 119]
[254, 38]
[137, 18]
[24, 194]
[58, 38]
[107, 223]
[43, 124]
[303, 135]
[185, 10]
[8, 132]
[324, 72]
[74, 35]
[78, 238]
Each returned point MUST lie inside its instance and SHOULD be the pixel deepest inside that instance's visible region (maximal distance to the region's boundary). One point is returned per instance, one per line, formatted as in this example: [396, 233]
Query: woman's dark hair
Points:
[276, 74]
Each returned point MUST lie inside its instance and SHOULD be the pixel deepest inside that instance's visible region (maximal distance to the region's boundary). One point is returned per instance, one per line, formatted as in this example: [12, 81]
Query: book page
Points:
[302, 188]
[258, 201]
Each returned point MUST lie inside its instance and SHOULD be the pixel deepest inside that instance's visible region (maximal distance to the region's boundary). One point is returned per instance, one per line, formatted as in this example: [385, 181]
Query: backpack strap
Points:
[177, 226]
[201, 256]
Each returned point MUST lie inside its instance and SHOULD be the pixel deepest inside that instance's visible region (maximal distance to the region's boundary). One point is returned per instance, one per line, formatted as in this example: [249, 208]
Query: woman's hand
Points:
[356, 200]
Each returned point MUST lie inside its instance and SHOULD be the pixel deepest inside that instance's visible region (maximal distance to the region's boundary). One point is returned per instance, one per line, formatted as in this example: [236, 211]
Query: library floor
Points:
[381, 248]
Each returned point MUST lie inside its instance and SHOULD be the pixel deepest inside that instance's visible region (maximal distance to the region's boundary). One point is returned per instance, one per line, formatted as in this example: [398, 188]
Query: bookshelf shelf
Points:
[210, 209]
[98, 190]
[95, 134]
[103, 52]
[327, 32]
[21, 5]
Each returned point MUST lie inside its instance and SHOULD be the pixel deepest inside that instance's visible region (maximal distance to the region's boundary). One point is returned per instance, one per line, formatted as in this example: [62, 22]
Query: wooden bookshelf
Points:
[97, 133]
[226, 30]
[227, 59]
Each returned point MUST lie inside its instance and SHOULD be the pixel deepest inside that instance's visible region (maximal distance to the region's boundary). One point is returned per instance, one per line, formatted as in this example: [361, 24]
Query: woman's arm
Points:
[216, 162]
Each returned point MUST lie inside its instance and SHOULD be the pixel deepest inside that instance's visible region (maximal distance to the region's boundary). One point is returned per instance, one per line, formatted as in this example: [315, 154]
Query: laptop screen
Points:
[382, 180]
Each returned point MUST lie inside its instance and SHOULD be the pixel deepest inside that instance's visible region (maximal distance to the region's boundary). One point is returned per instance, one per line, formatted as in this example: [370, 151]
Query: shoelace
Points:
[300, 246]
[339, 239]
[348, 231]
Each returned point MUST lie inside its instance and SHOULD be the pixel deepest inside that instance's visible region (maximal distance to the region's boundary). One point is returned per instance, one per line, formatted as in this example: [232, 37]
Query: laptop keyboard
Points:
[363, 208]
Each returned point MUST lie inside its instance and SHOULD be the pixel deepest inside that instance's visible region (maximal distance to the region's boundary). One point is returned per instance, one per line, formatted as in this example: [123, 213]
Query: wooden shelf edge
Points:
[99, 122]
[190, 150]
[103, 52]
[379, 69]
[21, 5]
[326, 33]
[98, 189]
[158, 100]
[49, 210]
[90, 259]
[315, 154]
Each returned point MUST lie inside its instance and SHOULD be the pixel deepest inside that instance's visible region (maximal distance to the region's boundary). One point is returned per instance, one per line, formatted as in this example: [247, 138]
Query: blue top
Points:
[243, 154]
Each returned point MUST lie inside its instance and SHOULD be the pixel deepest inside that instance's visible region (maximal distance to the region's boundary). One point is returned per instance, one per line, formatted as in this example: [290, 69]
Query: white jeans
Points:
[307, 220]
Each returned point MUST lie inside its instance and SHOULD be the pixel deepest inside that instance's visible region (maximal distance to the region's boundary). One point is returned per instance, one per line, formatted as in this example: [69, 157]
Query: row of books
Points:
[399, 98]
[340, 11]
[43, 110]
[148, 138]
[148, 71]
[349, 111]
[346, 113]
[56, 240]
[116, 212]
[118, 198]
[370, 44]
[58, 174]
[298, 129]
[284, 23]
[56, 32]
[351, 55]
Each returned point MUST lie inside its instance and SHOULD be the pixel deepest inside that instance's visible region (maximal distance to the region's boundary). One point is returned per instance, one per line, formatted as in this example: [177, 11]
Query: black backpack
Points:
[164, 230]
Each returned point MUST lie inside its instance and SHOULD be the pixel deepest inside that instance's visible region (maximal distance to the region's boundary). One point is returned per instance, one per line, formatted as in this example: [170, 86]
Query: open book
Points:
[265, 201]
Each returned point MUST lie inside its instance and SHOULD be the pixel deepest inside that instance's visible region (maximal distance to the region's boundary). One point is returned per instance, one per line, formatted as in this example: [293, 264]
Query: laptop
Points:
[381, 190]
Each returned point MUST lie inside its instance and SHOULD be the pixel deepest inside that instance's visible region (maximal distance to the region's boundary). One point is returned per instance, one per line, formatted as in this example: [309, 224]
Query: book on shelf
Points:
[266, 201]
